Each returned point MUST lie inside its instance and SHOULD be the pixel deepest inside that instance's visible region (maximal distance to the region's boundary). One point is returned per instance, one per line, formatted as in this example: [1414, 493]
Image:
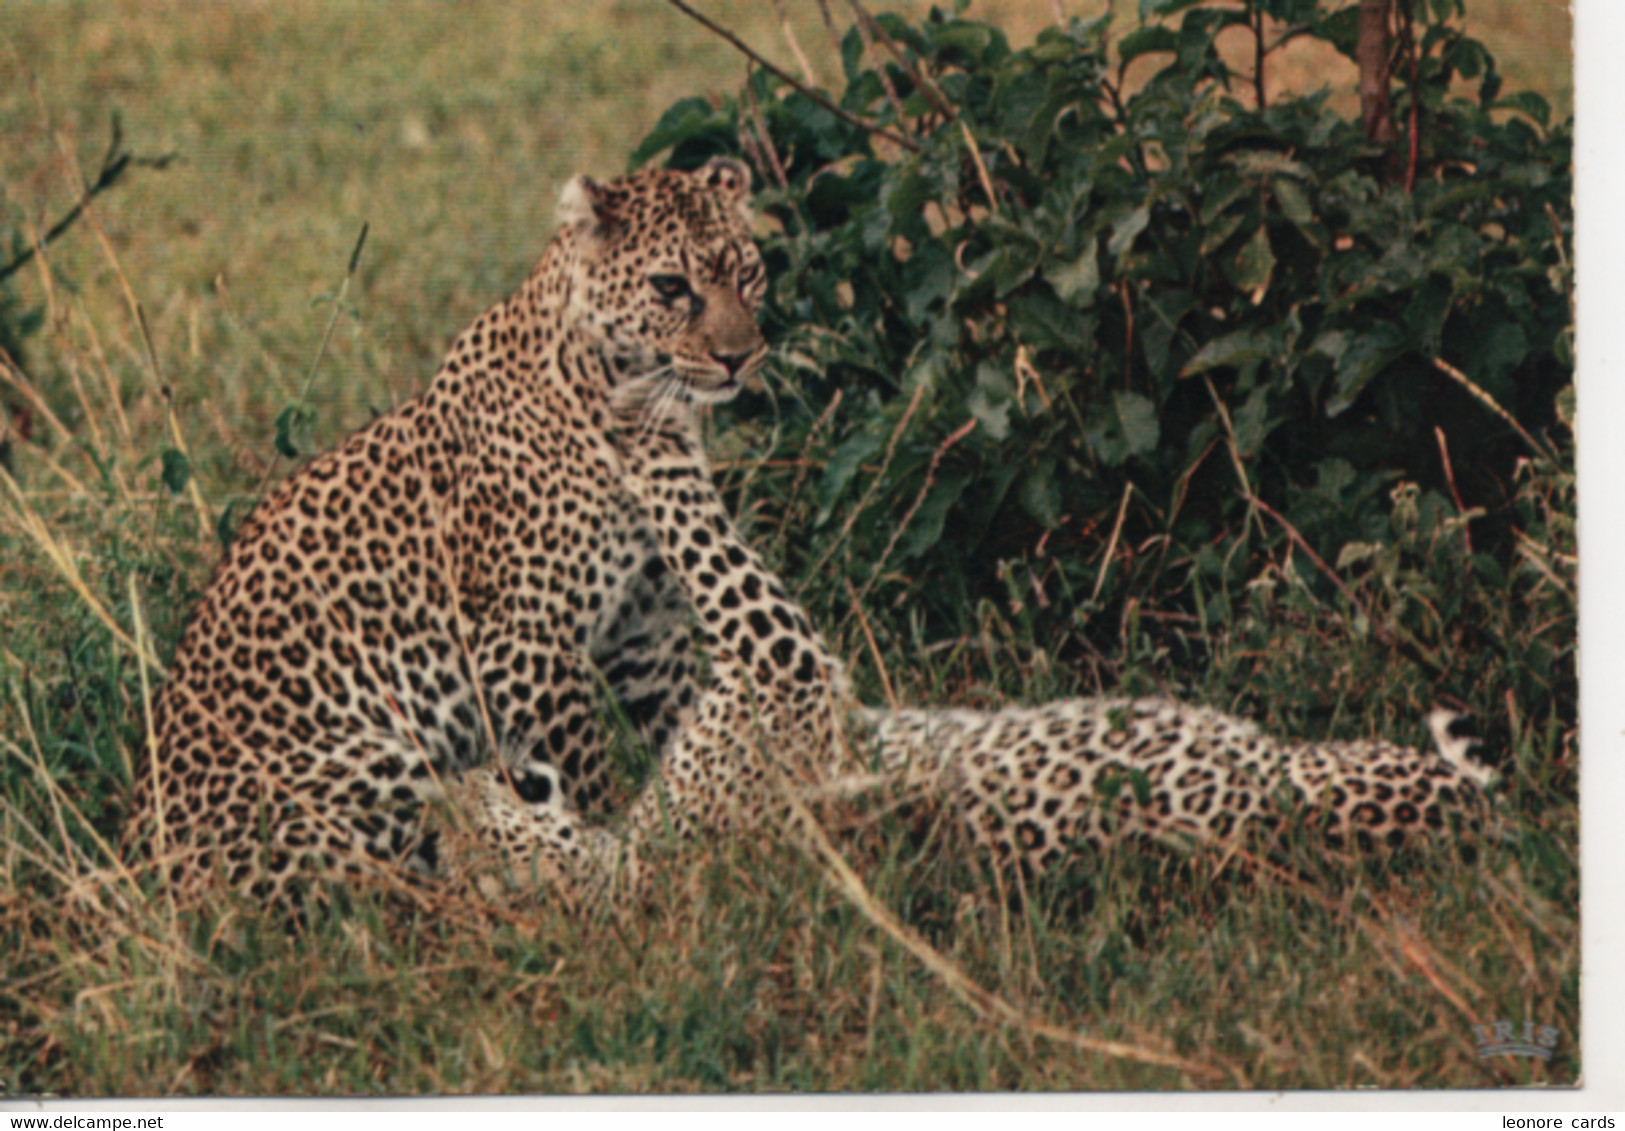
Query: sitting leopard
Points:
[437, 597]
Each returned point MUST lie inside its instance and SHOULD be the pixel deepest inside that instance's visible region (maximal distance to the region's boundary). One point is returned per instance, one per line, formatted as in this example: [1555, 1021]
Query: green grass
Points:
[448, 130]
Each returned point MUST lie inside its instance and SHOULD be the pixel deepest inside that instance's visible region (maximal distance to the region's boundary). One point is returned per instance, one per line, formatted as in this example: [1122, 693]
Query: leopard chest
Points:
[551, 539]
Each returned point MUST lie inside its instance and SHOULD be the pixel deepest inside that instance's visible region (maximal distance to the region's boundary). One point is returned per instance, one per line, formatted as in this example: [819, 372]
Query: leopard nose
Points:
[732, 362]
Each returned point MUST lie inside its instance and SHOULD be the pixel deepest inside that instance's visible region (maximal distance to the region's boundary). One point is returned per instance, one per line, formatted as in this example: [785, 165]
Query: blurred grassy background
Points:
[448, 128]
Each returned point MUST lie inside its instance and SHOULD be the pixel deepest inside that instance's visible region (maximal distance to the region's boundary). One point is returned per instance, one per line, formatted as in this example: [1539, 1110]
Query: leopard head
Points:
[667, 280]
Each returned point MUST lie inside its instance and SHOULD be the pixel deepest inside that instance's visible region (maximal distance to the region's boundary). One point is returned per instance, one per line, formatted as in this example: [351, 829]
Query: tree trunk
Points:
[1371, 51]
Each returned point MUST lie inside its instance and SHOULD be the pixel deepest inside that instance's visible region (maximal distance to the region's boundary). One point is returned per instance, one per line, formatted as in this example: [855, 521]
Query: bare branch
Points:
[1371, 50]
[817, 96]
[114, 166]
[922, 82]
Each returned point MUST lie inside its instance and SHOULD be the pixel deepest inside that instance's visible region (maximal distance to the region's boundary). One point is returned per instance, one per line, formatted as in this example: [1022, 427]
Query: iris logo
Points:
[1502, 1038]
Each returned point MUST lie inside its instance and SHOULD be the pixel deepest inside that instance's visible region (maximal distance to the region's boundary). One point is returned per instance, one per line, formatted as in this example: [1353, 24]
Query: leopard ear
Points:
[584, 203]
[728, 177]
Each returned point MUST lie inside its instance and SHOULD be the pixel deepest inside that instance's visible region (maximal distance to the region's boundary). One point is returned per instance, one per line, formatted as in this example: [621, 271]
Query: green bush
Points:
[1100, 351]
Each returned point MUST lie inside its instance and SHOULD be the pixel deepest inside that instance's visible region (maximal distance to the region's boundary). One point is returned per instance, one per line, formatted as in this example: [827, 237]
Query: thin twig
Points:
[829, 26]
[892, 96]
[1025, 372]
[762, 140]
[1393, 637]
[138, 313]
[922, 82]
[981, 169]
[1230, 441]
[874, 485]
[1259, 52]
[795, 44]
[155, 757]
[874, 648]
[981, 1000]
[1408, 20]
[840, 112]
[953, 438]
[66, 563]
[114, 165]
[321, 351]
[11, 373]
[1490, 403]
[806, 463]
[1111, 543]
[1450, 478]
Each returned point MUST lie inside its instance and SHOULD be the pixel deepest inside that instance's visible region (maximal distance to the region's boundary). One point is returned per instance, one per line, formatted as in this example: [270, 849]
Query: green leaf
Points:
[1341, 28]
[177, 469]
[990, 401]
[852, 53]
[1216, 235]
[1128, 428]
[1525, 102]
[1141, 782]
[1137, 417]
[928, 278]
[293, 425]
[1042, 321]
[1254, 264]
[1145, 40]
[1225, 189]
[1078, 281]
[1149, 8]
[687, 120]
[1167, 308]
[925, 531]
[1040, 494]
[1331, 344]
[1019, 97]
[225, 527]
[1333, 477]
[1425, 314]
[1252, 421]
[994, 418]
[1362, 358]
[1013, 264]
[1127, 229]
[844, 464]
[961, 35]
[1235, 350]
[1268, 163]
[1496, 354]
[1293, 200]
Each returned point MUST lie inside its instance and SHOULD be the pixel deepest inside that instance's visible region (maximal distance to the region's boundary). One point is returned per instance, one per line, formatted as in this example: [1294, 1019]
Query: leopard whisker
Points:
[658, 409]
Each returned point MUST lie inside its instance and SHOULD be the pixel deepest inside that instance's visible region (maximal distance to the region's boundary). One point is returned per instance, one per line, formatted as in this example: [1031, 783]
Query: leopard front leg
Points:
[773, 708]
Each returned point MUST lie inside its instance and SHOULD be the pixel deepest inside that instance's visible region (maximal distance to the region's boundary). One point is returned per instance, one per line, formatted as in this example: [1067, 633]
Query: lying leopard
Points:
[1030, 783]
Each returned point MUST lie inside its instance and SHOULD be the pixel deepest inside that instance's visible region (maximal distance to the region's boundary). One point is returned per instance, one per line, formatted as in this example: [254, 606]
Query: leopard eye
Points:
[669, 287]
